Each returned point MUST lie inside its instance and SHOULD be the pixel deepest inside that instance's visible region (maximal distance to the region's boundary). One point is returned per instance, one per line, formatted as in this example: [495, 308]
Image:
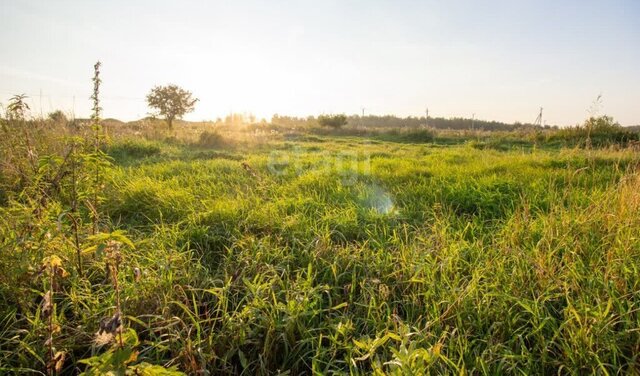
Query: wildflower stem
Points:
[50, 340]
[116, 286]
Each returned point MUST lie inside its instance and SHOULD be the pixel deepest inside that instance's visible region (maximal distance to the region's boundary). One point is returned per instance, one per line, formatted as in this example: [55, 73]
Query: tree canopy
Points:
[171, 102]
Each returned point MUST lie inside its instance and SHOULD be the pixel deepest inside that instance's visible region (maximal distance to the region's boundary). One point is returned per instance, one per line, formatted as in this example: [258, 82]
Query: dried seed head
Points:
[113, 250]
[59, 357]
[57, 361]
[137, 274]
[103, 338]
[110, 324]
[60, 272]
[384, 291]
[113, 245]
[47, 305]
[53, 265]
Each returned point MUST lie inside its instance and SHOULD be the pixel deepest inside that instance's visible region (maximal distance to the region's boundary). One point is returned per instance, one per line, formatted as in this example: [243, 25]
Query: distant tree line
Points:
[391, 121]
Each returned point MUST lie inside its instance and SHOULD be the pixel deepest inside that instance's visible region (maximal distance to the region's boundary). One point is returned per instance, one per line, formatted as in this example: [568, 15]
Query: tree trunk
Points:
[170, 122]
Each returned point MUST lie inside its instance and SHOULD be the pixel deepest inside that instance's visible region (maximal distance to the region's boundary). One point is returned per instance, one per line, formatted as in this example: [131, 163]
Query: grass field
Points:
[327, 254]
[319, 188]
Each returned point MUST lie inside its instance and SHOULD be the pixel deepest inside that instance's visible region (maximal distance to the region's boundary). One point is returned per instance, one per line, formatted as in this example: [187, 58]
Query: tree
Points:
[333, 121]
[171, 101]
[57, 117]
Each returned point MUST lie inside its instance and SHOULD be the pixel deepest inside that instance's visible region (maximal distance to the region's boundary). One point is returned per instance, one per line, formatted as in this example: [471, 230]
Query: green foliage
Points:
[332, 121]
[596, 132]
[171, 101]
[123, 361]
[374, 253]
[60, 189]
[149, 201]
[410, 122]
[133, 149]
[17, 108]
[415, 136]
[57, 116]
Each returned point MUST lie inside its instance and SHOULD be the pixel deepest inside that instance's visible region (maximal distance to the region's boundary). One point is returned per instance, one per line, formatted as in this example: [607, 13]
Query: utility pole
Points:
[41, 104]
[426, 119]
[538, 120]
[473, 121]
[540, 116]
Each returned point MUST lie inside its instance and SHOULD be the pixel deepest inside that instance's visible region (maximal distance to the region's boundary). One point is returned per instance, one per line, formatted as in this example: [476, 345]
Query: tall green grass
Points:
[335, 255]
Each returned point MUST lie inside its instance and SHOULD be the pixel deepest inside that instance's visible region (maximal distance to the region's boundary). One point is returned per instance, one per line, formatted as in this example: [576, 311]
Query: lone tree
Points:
[171, 101]
[333, 121]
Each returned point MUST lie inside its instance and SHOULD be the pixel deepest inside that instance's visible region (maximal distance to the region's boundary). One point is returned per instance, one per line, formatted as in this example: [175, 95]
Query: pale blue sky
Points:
[501, 60]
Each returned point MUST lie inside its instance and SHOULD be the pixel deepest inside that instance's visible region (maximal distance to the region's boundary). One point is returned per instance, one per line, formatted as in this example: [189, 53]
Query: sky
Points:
[499, 60]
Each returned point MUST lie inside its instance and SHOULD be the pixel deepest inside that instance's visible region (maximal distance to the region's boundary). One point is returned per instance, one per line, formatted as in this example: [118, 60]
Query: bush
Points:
[57, 117]
[419, 136]
[211, 139]
[332, 121]
[412, 136]
[596, 131]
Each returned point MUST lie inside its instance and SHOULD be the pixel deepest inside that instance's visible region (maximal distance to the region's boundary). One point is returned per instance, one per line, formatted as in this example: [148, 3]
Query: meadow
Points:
[277, 251]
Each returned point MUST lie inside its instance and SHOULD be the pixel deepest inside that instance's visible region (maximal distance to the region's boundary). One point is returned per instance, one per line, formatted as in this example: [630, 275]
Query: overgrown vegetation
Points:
[266, 251]
[595, 132]
[332, 121]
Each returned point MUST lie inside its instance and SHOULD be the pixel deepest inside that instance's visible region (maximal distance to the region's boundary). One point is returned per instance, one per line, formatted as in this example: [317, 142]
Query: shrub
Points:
[212, 139]
[332, 121]
[418, 136]
[57, 117]
[596, 131]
